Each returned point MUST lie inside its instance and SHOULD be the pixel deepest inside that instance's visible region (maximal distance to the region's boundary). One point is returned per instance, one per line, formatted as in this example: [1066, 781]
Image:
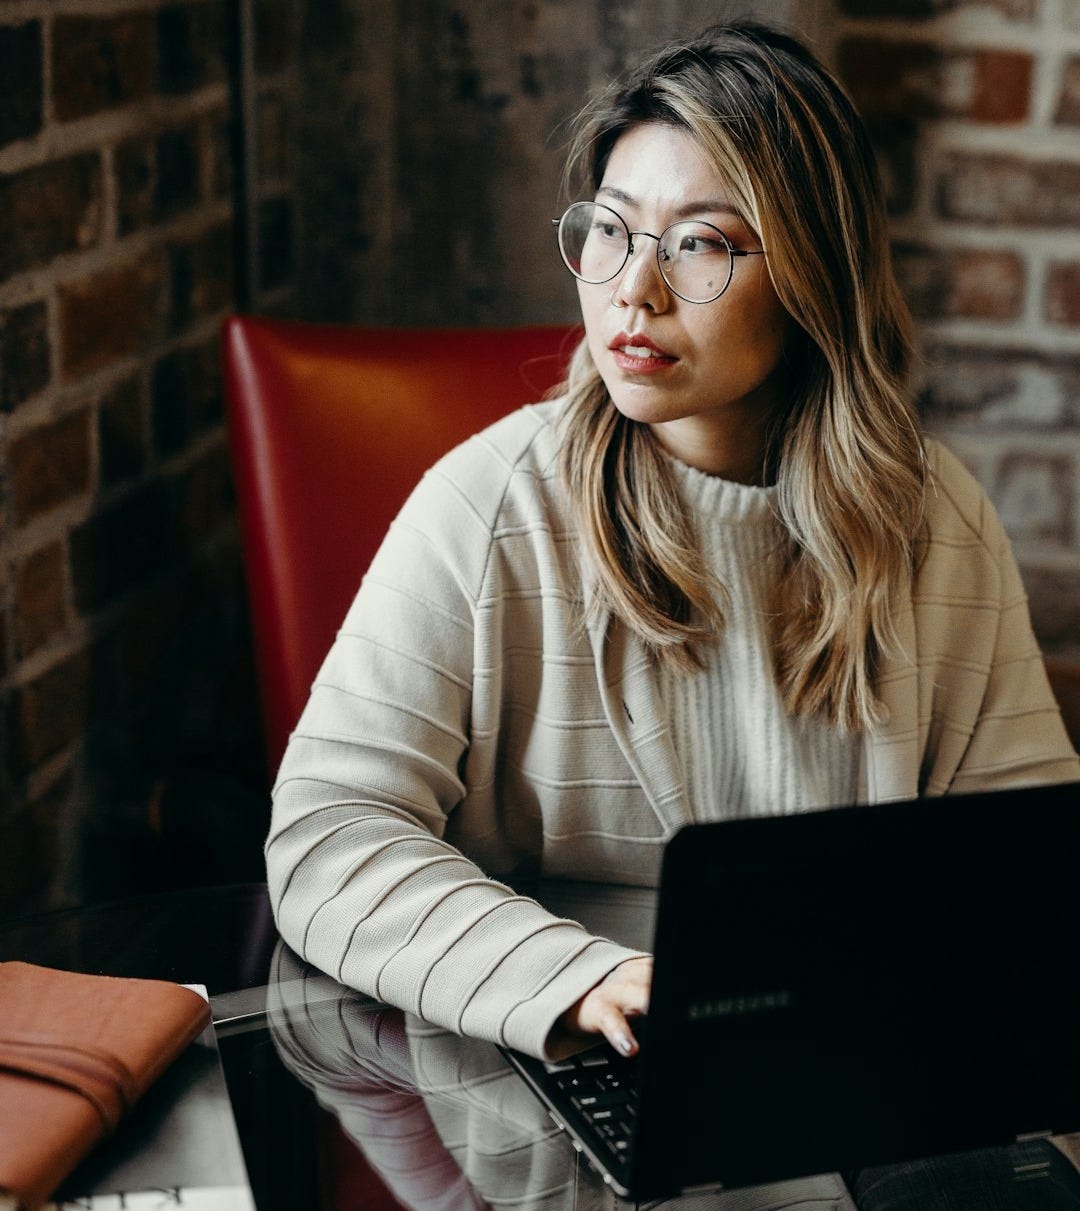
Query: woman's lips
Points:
[639, 355]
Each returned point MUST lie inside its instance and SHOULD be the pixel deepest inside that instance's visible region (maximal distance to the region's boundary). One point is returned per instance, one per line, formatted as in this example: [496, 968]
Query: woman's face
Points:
[715, 375]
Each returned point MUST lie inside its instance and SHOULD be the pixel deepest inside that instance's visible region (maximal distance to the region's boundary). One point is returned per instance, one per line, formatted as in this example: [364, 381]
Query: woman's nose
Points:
[640, 283]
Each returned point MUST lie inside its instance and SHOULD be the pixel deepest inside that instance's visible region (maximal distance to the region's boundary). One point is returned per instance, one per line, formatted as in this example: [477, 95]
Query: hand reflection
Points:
[443, 1120]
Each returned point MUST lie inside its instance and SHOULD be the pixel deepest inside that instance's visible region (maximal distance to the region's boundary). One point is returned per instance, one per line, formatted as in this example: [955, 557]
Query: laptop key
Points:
[574, 1082]
[568, 1065]
[599, 1101]
[595, 1059]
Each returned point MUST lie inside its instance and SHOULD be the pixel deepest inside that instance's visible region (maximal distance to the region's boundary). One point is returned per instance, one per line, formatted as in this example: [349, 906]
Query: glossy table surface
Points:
[339, 1102]
[343, 1103]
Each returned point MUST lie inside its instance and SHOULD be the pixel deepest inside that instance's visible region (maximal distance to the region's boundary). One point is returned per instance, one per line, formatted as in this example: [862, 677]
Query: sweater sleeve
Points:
[1018, 736]
[363, 881]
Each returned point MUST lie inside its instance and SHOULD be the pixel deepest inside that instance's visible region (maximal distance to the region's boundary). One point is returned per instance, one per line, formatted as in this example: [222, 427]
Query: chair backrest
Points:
[330, 428]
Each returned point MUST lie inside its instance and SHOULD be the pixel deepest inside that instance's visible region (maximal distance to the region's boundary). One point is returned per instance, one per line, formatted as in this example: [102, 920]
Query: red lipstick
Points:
[637, 354]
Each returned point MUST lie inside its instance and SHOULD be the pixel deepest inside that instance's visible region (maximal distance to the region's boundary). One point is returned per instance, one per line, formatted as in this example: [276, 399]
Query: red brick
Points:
[101, 62]
[1009, 189]
[157, 177]
[891, 77]
[331, 25]
[121, 547]
[21, 81]
[114, 314]
[121, 433]
[24, 353]
[274, 144]
[202, 276]
[30, 849]
[922, 81]
[275, 265]
[1002, 90]
[176, 187]
[40, 599]
[49, 210]
[954, 283]
[205, 500]
[50, 713]
[217, 144]
[275, 34]
[186, 397]
[153, 623]
[994, 389]
[1063, 292]
[191, 41]
[5, 664]
[134, 166]
[49, 465]
[1068, 106]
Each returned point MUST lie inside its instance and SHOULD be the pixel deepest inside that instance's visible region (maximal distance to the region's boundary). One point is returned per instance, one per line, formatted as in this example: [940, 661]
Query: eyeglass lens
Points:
[695, 258]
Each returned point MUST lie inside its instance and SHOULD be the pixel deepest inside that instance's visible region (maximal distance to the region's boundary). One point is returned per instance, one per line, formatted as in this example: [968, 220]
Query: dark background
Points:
[163, 162]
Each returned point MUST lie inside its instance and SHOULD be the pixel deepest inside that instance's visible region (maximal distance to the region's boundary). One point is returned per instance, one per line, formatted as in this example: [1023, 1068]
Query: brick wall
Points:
[125, 680]
[976, 111]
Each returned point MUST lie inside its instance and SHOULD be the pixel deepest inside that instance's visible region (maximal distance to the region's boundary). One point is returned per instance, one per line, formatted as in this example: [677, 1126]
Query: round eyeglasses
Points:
[696, 259]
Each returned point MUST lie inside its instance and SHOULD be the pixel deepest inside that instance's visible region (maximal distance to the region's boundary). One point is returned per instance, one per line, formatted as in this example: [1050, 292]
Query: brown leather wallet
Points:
[76, 1052]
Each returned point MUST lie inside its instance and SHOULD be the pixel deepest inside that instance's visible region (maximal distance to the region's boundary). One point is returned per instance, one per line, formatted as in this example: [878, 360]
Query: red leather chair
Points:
[330, 428]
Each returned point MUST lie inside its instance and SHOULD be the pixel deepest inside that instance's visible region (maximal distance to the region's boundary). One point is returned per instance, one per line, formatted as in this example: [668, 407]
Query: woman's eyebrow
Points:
[705, 206]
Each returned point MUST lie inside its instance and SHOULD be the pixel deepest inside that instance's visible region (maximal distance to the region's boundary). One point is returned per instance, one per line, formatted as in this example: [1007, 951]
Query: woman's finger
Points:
[618, 1032]
[610, 1006]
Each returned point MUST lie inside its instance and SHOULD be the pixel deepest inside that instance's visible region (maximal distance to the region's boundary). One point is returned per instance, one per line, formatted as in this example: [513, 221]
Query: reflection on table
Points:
[345, 1105]
[443, 1120]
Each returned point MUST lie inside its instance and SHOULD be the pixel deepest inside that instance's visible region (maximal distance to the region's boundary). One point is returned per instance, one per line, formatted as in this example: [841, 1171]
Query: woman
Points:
[721, 574]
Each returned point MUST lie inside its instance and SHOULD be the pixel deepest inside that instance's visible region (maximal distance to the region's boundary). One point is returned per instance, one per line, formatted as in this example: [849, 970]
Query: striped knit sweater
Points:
[467, 732]
[742, 754]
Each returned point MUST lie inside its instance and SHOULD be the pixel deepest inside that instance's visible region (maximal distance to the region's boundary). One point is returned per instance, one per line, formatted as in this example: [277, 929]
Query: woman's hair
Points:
[846, 454]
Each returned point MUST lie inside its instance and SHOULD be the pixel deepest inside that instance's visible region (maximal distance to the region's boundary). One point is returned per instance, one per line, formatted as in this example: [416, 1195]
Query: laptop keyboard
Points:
[602, 1087]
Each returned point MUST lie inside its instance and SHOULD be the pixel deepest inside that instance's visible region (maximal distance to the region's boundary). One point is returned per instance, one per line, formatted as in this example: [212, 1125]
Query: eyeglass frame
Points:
[732, 251]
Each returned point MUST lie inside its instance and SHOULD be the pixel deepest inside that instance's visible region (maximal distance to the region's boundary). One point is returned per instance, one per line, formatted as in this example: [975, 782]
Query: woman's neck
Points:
[740, 459]
[730, 442]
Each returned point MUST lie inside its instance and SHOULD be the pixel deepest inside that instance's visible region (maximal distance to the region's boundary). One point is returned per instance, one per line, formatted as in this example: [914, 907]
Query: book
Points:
[77, 1053]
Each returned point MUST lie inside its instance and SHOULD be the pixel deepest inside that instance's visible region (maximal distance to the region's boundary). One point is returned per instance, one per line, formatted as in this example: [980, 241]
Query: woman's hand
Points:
[610, 1007]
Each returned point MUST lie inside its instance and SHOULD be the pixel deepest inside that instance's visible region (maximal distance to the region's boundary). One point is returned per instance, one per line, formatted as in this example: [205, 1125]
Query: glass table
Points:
[338, 1102]
[343, 1103]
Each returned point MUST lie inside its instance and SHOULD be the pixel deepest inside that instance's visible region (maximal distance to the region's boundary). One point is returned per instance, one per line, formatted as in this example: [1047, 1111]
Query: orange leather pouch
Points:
[76, 1053]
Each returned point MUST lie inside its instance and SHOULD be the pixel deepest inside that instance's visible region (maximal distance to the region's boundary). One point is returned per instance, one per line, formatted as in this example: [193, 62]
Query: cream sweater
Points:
[742, 754]
[464, 710]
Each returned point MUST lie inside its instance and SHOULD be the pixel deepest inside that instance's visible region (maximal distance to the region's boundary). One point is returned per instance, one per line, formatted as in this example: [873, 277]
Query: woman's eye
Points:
[698, 244]
[608, 231]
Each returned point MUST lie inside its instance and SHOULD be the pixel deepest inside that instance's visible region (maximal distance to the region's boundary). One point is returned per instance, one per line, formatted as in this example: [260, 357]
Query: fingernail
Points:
[625, 1044]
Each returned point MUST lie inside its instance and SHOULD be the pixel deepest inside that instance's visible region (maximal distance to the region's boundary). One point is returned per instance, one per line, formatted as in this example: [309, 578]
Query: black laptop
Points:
[841, 989]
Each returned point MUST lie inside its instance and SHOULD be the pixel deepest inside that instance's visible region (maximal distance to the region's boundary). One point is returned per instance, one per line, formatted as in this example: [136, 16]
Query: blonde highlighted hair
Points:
[846, 455]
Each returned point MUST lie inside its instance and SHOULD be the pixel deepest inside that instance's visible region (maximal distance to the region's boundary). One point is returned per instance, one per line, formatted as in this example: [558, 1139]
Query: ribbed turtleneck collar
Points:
[722, 500]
